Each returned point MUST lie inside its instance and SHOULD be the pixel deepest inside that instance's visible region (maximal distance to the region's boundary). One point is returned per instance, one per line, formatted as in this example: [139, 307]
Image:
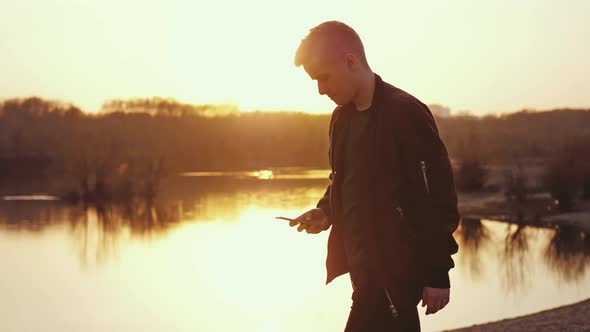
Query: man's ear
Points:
[351, 61]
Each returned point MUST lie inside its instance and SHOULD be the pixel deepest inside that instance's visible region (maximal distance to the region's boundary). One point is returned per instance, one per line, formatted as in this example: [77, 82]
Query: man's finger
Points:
[431, 309]
[301, 227]
[438, 304]
[428, 308]
[292, 223]
[425, 299]
[429, 300]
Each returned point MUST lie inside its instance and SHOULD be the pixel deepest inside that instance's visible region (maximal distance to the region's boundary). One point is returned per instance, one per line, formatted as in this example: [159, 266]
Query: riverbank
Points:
[538, 211]
[573, 317]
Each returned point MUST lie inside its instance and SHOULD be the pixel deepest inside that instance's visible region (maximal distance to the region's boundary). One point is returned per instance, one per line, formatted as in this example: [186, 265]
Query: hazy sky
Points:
[483, 56]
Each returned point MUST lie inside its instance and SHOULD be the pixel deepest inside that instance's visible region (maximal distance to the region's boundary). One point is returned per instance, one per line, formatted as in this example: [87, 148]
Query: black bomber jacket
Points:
[421, 244]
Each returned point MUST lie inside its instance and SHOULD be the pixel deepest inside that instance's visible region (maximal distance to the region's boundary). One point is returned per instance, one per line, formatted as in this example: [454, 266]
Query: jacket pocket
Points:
[403, 223]
[400, 244]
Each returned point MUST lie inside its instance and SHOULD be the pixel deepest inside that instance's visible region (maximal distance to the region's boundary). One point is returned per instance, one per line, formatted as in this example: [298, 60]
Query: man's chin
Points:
[337, 101]
[340, 102]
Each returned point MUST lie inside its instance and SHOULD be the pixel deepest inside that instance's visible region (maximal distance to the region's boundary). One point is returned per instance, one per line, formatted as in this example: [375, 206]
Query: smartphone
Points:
[285, 218]
[297, 221]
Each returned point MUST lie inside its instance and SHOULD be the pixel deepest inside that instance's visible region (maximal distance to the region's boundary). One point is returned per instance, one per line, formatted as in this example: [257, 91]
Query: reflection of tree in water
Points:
[24, 216]
[95, 235]
[472, 237]
[514, 257]
[99, 230]
[568, 253]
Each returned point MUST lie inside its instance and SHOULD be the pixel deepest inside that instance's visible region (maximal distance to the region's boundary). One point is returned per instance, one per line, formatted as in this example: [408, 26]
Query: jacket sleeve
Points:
[324, 202]
[440, 215]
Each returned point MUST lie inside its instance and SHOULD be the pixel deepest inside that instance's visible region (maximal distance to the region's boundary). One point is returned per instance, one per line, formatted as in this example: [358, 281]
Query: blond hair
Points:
[334, 37]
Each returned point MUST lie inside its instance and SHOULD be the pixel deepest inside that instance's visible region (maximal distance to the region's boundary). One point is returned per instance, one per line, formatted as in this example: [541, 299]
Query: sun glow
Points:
[241, 53]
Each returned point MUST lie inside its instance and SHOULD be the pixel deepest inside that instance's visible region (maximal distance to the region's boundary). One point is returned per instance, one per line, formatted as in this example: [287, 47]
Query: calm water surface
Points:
[209, 256]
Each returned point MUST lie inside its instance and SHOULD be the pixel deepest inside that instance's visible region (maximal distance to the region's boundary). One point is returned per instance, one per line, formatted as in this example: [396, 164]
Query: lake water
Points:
[209, 256]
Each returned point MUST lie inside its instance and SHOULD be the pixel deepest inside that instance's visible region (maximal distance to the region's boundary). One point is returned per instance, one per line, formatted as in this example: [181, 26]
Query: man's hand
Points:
[435, 299]
[313, 221]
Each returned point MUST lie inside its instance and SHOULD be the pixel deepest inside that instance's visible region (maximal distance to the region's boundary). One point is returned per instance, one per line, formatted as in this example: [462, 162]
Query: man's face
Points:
[333, 76]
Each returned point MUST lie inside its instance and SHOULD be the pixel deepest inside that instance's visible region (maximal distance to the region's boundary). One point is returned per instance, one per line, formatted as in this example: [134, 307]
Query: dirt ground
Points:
[573, 317]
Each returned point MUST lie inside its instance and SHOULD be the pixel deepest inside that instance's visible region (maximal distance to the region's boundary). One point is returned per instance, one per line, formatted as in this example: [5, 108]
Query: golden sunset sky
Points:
[482, 56]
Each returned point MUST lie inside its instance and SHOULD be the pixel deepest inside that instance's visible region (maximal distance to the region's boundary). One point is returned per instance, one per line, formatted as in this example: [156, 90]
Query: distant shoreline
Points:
[572, 317]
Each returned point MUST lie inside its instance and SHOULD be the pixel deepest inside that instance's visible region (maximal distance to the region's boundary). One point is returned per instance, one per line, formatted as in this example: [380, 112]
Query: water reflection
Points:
[515, 257]
[282, 173]
[210, 248]
[97, 231]
[33, 216]
[141, 218]
[568, 253]
[473, 237]
[565, 251]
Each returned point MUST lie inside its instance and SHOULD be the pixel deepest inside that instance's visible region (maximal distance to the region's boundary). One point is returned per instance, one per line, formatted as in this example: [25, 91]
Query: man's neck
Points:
[364, 97]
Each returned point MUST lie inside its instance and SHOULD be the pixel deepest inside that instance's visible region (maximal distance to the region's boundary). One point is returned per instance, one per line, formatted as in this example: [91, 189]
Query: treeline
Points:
[127, 152]
[148, 138]
[518, 136]
[34, 128]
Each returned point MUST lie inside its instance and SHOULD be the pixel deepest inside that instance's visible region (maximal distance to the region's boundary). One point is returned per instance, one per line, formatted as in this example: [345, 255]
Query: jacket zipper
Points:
[423, 168]
[391, 306]
[333, 166]
[332, 177]
[400, 211]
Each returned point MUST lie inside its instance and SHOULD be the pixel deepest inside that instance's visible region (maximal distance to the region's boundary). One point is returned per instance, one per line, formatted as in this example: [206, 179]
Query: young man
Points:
[391, 203]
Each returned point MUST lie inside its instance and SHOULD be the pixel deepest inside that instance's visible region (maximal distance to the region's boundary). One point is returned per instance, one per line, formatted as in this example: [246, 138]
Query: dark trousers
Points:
[370, 312]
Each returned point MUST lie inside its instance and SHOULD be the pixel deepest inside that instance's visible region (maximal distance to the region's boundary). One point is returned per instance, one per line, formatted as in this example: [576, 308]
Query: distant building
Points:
[440, 110]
